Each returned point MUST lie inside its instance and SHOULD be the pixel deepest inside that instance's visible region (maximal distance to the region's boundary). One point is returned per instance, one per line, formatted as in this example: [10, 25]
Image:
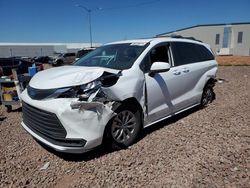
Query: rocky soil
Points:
[233, 60]
[199, 148]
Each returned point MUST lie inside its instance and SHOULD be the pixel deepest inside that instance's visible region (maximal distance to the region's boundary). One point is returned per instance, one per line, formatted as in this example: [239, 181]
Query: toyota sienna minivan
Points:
[116, 90]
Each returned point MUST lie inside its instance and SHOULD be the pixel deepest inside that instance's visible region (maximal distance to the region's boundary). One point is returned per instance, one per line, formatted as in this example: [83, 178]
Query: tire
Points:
[8, 108]
[123, 129]
[54, 64]
[57, 63]
[208, 95]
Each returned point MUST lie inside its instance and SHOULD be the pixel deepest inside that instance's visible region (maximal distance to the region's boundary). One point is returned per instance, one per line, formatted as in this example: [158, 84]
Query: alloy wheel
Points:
[123, 126]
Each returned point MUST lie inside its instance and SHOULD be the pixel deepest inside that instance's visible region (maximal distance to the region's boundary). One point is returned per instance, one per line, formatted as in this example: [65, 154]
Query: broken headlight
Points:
[82, 92]
[40, 94]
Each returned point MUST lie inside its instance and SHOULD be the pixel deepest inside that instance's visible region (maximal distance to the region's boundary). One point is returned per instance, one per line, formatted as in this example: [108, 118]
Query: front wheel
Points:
[124, 128]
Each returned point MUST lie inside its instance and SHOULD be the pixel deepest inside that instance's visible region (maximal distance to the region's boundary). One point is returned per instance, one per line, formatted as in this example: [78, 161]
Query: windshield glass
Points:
[115, 56]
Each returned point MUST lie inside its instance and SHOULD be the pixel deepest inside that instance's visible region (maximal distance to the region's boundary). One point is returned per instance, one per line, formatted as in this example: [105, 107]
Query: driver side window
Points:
[157, 54]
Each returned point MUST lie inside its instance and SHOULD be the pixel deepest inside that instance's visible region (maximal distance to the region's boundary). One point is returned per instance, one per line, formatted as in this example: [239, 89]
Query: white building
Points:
[40, 49]
[224, 39]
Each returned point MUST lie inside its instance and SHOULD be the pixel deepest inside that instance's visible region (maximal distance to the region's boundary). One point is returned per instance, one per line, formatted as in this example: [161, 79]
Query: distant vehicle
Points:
[25, 58]
[64, 59]
[83, 52]
[1, 71]
[43, 59]
[7, 64]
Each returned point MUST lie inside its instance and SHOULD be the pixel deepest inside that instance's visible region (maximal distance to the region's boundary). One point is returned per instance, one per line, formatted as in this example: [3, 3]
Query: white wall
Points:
[39, 49]
[30, 51]
[244, 47]
[207, 34]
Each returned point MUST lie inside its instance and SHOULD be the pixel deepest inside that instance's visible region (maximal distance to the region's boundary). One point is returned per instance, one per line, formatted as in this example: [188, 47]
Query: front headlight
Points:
[41, 94]
[92, 85]
[83, 92]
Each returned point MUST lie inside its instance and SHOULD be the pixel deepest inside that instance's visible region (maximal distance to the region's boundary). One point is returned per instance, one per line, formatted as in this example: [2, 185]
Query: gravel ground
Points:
[233, 60]
[199, 148]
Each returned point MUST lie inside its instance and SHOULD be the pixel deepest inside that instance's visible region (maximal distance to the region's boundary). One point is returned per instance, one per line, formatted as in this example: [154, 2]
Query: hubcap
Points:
[123, 126]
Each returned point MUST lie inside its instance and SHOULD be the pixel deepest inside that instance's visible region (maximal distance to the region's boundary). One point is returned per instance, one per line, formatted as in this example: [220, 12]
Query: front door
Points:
[159, 86]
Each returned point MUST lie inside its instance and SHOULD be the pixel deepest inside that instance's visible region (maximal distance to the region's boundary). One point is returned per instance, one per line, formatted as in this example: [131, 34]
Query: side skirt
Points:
[171, 115]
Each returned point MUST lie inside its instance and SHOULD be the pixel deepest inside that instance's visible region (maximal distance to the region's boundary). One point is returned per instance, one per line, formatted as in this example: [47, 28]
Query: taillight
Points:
[40, 67]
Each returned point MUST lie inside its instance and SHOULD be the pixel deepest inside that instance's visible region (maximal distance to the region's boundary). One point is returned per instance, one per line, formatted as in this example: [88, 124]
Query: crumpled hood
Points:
[67, 76]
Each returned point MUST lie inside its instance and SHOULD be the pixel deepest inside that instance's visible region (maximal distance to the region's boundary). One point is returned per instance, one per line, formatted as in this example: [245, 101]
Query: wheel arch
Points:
[211, 81]
[129, 101]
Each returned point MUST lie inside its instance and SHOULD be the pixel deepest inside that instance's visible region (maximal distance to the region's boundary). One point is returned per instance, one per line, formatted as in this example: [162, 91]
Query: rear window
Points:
[186, 53]
[69, 54]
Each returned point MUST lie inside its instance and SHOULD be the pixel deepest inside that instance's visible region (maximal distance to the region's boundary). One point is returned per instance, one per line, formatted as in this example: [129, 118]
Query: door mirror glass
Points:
[158, 67]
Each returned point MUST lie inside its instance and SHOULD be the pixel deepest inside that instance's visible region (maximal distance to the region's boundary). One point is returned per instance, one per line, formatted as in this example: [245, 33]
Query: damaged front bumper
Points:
[66, 124]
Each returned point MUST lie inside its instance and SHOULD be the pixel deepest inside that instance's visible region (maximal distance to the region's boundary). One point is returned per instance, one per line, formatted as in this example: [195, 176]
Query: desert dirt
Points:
[200, 148]
[233, 60]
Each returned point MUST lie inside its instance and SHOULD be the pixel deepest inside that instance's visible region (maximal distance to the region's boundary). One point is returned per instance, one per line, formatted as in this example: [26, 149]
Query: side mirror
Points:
[158, 67]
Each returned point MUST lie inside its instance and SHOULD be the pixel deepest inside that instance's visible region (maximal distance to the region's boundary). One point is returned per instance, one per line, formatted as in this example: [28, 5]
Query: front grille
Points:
[43, 123]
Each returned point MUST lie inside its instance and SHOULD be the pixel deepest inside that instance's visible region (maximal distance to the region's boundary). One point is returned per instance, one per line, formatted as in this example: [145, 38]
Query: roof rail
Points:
[181, 37]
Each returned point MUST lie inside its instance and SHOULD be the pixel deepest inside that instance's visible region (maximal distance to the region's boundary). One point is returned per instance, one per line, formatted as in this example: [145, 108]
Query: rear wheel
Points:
[208, 96]
[124, 128]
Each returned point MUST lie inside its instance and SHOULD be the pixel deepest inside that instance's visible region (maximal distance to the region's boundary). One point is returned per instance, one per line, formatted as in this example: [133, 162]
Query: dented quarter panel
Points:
[210, 73]
[132, 82]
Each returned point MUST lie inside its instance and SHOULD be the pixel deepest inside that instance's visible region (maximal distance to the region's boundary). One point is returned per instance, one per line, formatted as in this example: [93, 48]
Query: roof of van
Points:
[157, 40]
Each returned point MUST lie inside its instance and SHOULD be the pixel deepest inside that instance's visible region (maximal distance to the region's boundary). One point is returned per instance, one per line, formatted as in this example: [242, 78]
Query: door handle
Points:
[176, 72]
[185, 70]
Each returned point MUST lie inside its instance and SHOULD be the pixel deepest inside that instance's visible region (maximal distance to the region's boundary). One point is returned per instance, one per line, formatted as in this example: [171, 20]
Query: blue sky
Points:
[62, 21]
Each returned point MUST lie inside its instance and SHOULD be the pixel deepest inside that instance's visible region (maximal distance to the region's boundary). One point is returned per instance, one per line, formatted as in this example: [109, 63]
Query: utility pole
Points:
[89, 18]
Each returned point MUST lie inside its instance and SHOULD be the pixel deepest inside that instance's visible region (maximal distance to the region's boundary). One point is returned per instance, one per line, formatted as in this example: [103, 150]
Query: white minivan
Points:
[116, 90]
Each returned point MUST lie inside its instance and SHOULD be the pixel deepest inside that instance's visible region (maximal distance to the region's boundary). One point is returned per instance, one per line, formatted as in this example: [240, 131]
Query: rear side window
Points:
[204, 53]
[186, 53]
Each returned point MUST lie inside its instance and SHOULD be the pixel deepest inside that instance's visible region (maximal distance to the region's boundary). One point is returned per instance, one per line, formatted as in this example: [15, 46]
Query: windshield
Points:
[114, 56]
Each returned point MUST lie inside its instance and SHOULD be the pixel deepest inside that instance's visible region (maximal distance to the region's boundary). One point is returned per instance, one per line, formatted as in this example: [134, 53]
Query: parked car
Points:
[83, 52]
[21, 65]
[25, 58]
[64, 59]
[1, 71]
[113, 92]
[43, 59]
